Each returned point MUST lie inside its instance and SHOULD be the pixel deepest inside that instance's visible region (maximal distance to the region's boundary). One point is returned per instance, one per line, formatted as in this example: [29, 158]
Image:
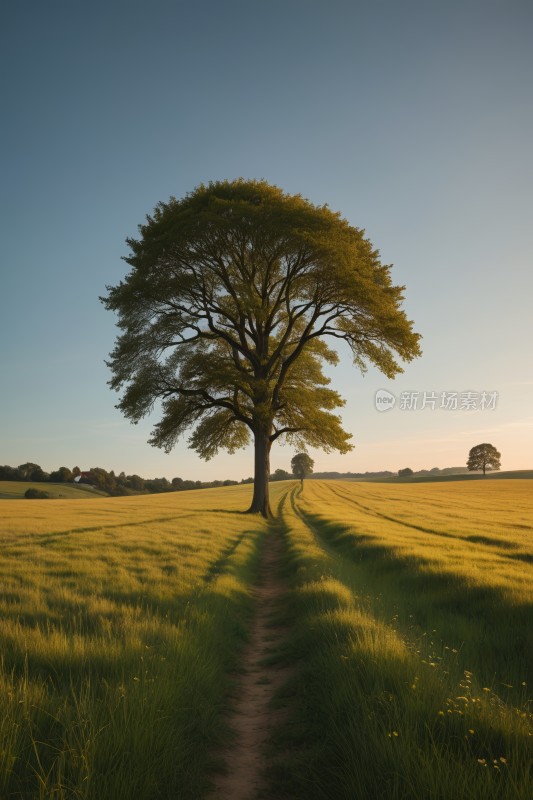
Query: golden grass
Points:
[119, 620]
[482, 532]
[413, 610]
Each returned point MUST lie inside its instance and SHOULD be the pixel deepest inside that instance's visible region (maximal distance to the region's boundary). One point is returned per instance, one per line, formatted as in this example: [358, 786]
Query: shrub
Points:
[36, 494]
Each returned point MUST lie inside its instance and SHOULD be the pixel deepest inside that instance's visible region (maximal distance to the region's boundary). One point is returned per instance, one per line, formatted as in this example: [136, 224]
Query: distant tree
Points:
[111, 483]
[61, 475]
[280, 475]
[135, 482]
[177, 483]
[98, 477]
[405, 473]
[157, 485]
[483, 456]
[31, 472]
[302, 465]
[76, 472]
[233, 293]
[8, 473]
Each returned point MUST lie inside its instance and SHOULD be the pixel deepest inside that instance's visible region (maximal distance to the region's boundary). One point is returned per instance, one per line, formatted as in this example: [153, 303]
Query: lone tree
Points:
[232, 294]
[483, 456]
[302, 466]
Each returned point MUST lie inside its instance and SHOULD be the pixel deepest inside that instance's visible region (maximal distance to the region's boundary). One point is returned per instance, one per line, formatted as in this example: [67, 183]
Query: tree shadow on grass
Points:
[483, 616]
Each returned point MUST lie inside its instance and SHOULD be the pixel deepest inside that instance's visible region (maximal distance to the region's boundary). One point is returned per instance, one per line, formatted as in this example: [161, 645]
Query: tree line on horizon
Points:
[113, 484]
[122, 484]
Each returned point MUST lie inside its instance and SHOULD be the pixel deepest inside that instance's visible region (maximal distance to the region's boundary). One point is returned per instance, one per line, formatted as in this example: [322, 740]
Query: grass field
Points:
[414, 629]
[119, 621]
[411, 616]
[14, 490]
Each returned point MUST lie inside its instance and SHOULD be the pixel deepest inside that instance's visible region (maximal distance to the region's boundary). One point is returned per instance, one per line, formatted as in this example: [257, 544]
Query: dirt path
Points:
[251, 718]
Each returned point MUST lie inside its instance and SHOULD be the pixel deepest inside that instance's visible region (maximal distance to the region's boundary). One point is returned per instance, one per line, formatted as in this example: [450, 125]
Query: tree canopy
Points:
[483, 456]
[225, 317]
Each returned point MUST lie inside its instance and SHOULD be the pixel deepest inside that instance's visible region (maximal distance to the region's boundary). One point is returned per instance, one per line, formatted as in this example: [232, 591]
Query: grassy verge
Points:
[413, 679]
[118, 629]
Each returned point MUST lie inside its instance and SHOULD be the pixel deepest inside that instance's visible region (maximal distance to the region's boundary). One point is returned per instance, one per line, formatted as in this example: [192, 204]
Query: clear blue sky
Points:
[414, 119]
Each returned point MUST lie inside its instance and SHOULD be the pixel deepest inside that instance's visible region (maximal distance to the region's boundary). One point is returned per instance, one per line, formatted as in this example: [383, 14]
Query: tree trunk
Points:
[260, 500]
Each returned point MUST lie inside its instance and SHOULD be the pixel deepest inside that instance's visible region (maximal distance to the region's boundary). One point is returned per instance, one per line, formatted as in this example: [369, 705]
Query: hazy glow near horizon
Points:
[413, 120]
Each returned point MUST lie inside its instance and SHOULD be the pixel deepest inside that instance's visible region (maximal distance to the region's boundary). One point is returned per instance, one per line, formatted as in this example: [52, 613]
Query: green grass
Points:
[413, 611]
[14, 490]
[120, 622]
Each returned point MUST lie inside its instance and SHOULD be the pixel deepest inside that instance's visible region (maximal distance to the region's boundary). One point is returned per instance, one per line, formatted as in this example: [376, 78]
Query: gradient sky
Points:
[414, 119]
